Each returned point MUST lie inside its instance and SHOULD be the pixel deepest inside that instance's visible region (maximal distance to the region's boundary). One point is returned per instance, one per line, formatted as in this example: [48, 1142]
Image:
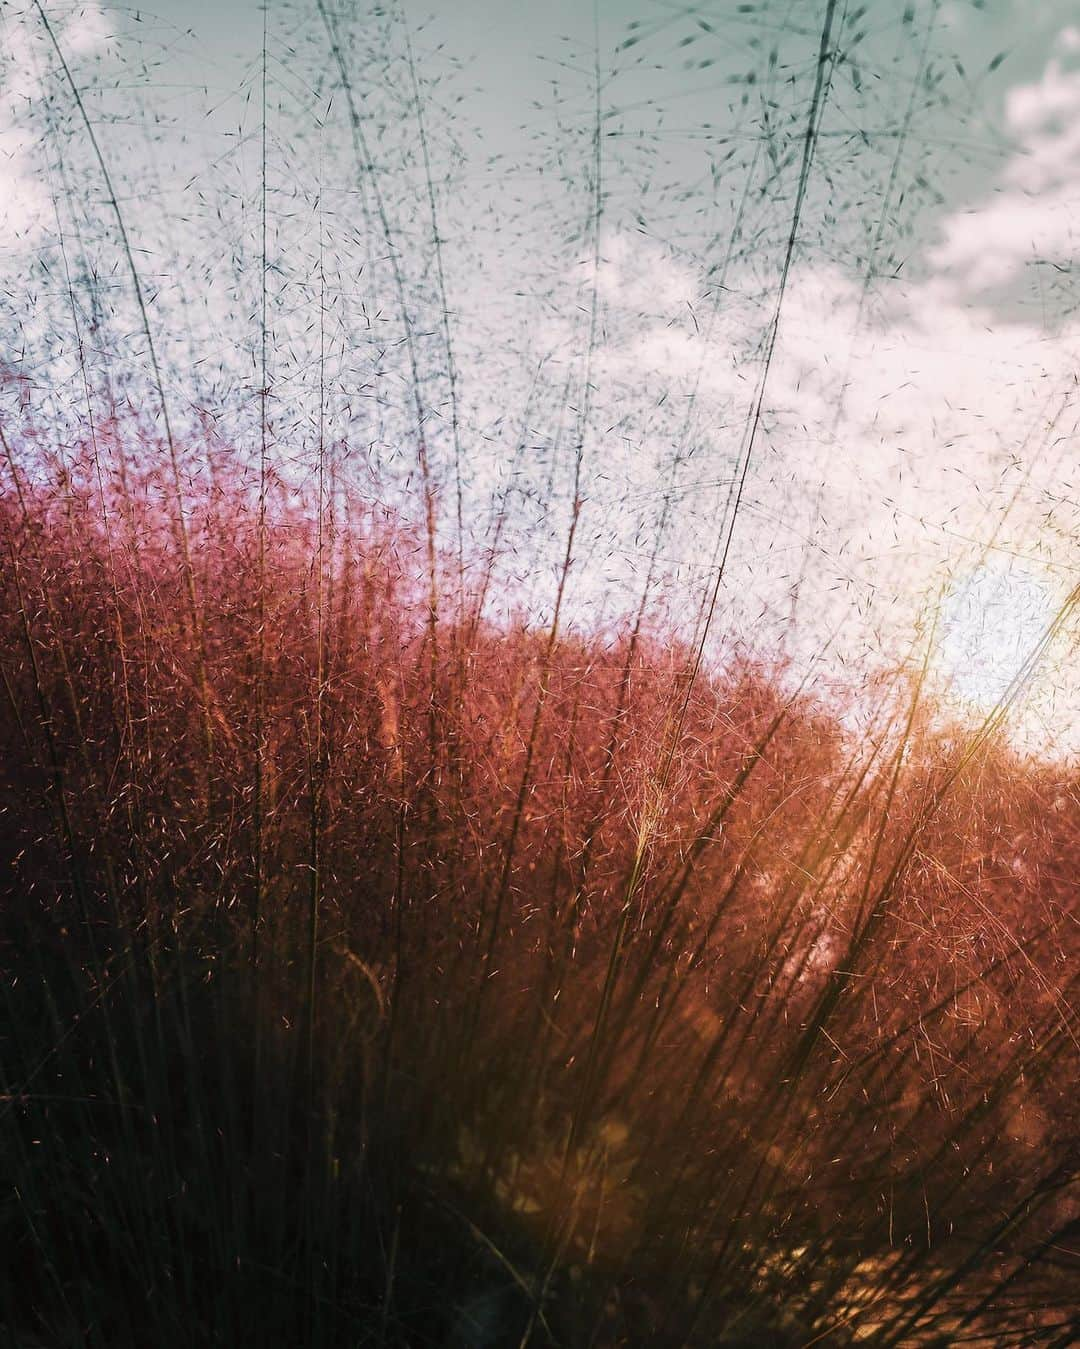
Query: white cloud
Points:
[947, 443]
[1069, 39]
[1031, 212]
[25, 204]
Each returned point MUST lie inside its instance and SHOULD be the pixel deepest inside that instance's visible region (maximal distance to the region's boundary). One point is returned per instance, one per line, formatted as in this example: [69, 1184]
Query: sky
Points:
[916, 448]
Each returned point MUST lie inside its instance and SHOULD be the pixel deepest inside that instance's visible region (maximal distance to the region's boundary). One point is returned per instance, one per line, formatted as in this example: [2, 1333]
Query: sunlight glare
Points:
[991, 621]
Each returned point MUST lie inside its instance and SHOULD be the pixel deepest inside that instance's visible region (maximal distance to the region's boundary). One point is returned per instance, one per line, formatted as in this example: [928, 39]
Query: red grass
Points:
[761, 1031]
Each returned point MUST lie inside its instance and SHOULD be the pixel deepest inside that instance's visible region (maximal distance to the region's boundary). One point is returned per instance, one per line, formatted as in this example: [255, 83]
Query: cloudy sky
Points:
[917, 439]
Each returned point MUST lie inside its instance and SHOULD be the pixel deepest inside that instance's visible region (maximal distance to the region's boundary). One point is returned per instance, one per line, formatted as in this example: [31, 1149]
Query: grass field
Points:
[389, 960]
